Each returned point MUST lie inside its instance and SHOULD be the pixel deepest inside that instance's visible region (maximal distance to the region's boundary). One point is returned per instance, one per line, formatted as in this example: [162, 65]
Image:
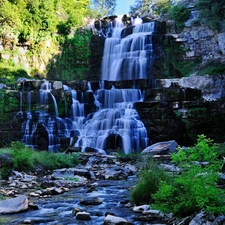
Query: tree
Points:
[155, 7]
[104, 7]
[212, 13]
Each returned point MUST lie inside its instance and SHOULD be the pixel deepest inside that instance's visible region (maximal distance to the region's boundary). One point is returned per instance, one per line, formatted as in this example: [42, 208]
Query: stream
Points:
[115, 194]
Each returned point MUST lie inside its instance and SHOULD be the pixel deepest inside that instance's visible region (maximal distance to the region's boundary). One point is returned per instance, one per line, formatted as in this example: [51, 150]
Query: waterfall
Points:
[100, 119]
[48, 122]
[116, 119]
[130, 57]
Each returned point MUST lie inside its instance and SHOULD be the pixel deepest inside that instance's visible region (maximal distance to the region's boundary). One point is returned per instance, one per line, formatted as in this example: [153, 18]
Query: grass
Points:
[25, 159]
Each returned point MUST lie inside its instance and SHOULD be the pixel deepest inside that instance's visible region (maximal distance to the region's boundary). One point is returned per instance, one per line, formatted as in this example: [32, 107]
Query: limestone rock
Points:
[14, 205]
[161, 148]
[114, 220]
[141, 208]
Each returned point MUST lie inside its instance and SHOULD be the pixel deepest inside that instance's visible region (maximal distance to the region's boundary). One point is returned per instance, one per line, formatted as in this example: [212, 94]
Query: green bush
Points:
[50, 161]
[25, 159]
[180, 15]
[211, 13]
[195, 188]
[212, 68]
[22, 157]
[151, 176]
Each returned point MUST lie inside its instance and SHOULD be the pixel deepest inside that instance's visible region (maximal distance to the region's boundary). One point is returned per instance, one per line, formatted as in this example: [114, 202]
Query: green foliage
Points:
[51, 161]
[195, 188]
[8, 103]
[151, 176]
[10, 74]
[211, 13]
[179, 14]
[212, 68]
[150, 7]
[174, 65]
[22, 160]
[102, 8]
[72, 63]
[25, 159]
[33, 22]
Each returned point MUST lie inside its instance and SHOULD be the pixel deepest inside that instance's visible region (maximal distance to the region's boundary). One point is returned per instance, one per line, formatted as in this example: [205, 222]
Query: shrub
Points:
[195, 188]
[150, 178]
[212, 68]
[179, 14]
[22, 160]
[50, 161]
[25, 159]
[211, 13]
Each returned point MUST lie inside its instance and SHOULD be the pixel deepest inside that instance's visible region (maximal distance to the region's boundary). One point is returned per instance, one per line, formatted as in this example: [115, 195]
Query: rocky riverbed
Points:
[95, 192]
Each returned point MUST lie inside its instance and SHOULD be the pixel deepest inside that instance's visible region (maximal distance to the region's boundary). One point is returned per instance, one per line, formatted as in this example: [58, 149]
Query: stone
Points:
[114, 220]
[115, 173]
[33, 194]
[161, 148]
[170, 168]
[81, 172]
[154, 214]
[221, 38]
[83, 216]
[141, 208]
[91, 201]
[57, 85]
[75, 211]
[14, 205]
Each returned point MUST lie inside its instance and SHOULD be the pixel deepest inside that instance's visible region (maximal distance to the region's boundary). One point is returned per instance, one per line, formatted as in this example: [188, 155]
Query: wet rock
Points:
[114, 220]
[141, 208]
[55, 191]
[81, 172]
[33, 206]
[14, 205]
[115, 173]
[75, 211]
[92, 201]
[154, 213]
[83, 216]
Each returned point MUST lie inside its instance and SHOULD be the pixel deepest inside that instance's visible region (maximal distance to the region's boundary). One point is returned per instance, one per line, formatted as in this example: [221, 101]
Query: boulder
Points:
[141, 208]
[83, 216]
[91, 201]
[114, 220]
[161, 148]
[14, 205]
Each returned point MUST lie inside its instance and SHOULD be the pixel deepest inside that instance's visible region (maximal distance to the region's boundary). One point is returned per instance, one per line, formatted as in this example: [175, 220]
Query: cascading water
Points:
[41, 119]
[116, 120]
[114, 124]
[129, 58]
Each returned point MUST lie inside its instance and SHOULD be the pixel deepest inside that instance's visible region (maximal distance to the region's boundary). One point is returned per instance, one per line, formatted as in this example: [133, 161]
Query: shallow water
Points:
[57, 210]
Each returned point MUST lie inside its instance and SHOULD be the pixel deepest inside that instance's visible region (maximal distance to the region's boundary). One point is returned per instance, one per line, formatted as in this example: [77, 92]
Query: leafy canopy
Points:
[37, 19]
[212, 13]
[102, 8]
[155, 7]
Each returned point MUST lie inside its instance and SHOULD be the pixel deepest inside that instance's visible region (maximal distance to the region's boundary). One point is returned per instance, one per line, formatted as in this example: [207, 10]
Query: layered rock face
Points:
[178, 109]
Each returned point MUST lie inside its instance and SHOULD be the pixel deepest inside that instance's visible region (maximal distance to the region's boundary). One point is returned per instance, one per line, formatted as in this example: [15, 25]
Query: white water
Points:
[114, 123]
[128, 58]
[116, 117]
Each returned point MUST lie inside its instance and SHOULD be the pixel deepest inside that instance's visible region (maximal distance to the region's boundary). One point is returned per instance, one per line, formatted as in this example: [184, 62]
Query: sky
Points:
[123, 6]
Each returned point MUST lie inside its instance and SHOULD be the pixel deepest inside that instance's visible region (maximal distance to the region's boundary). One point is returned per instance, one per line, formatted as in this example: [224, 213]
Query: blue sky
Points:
[123, 6]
